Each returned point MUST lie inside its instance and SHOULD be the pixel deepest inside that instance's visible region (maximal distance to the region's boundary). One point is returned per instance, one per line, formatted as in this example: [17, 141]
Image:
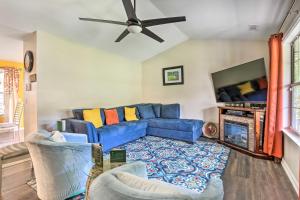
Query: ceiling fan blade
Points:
[122, 36]
[103, 21]
[152, 35]
[160, 21]
[130, 11]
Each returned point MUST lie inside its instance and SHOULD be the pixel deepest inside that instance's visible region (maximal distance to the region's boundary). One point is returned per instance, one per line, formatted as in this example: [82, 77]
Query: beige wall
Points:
[200, 59]
[74, 76]
[11, 49]
[30, 102]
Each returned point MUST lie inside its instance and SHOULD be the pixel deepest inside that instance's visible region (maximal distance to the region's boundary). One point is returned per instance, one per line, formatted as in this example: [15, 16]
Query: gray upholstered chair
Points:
[61, 168]
[109, 186]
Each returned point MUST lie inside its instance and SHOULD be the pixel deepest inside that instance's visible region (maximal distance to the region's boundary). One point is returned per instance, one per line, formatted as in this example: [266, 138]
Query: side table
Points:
[100, 166]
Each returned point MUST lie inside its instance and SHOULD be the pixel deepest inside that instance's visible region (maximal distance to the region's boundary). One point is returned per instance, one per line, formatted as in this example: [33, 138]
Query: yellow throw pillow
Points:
[93, 116]
[130, 114]
[246, 88]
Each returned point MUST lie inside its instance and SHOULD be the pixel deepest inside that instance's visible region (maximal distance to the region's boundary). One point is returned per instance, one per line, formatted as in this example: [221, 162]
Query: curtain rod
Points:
[289, 11]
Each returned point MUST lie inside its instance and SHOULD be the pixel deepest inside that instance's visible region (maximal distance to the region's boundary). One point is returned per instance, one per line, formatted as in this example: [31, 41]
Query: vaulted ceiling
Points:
[206, 19]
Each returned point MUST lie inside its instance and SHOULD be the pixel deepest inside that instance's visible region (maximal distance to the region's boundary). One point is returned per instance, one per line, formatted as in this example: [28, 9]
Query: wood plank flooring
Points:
[249, 178]
[245, 178]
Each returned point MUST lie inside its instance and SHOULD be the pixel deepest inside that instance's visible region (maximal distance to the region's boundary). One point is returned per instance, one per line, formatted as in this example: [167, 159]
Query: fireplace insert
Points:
[236, 133]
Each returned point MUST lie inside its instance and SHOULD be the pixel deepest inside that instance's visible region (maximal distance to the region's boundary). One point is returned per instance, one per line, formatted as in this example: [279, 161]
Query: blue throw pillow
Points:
[157, 109]
[77, 113]
[102, 115]
[171, 111]
[224, 97]
[121, 113]
[233, 91]
[146, 111]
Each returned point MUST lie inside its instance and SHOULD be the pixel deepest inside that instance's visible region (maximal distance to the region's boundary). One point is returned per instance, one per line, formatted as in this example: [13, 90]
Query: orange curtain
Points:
[274, 122]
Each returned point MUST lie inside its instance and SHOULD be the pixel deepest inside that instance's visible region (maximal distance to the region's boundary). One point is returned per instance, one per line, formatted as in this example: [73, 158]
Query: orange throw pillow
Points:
[111, 116]
[262, 83]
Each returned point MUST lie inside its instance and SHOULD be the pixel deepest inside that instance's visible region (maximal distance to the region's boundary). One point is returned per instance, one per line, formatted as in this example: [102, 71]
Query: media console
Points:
[243, 129]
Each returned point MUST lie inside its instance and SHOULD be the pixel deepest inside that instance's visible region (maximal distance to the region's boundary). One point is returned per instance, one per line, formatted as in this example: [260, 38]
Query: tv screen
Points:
[244, 83]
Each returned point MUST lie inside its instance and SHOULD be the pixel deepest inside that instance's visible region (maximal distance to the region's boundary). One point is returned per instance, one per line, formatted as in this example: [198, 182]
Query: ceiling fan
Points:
[135, 25]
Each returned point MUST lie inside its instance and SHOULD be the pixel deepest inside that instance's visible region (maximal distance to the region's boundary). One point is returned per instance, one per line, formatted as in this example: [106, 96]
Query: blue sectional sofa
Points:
[154, 119]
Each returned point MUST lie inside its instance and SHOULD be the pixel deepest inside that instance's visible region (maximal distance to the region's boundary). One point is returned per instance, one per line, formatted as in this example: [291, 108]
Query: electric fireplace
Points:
[242, 129]
[236, 133]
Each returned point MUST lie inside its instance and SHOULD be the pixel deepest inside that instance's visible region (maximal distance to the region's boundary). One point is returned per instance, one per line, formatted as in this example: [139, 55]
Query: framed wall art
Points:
[173, 76]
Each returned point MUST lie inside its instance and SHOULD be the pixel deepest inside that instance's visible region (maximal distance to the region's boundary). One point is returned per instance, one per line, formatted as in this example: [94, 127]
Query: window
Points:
[295, 85]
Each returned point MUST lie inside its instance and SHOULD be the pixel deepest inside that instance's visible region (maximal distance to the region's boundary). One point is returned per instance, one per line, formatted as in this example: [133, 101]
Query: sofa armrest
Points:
[76, 138]
[135, 168]
[214, 190]
[83, 127]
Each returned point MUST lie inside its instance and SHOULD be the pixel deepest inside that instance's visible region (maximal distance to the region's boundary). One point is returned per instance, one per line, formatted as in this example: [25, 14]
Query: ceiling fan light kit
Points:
[135, 25]
[134, 29]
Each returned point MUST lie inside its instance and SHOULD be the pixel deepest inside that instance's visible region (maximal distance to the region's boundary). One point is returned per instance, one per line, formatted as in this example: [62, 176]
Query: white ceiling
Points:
[206, 19]
[227, 19]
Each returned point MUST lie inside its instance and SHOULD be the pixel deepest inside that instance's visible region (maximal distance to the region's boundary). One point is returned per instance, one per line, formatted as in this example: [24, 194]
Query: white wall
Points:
[11, 49]
[74, 76]
[200, 59]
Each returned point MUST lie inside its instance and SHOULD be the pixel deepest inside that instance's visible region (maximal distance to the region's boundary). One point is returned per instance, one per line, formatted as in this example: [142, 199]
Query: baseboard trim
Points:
[5, 165]
[291, 176]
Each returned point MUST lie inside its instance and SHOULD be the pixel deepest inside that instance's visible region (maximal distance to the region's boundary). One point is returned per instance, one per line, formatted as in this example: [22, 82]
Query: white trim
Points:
[15, 162]
[291, 176]
[295, 137]
[292, 31]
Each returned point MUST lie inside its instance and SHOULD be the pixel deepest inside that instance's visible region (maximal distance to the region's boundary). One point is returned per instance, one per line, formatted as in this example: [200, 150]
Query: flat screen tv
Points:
[243, 83]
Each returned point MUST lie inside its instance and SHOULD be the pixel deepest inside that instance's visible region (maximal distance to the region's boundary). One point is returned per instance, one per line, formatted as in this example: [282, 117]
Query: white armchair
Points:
[61, 168]
[110, 186]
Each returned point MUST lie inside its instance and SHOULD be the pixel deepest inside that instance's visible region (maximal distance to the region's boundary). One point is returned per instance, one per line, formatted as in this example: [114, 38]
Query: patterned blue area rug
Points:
[179, 163]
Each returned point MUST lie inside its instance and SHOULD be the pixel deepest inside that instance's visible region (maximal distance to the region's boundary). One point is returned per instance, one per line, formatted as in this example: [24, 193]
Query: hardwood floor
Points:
[254, 179]
[14, 181]
[245, 178]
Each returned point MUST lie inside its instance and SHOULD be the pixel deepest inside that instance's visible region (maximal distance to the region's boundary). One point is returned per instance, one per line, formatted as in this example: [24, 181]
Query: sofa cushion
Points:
[246, 88]
[121, 114]
[224, 97]
[262, 83]
[124, 132]
[146, 185]
[57, 137]
[111, 116]
[174, 124]
[233, 91]
[130, 114]
[171, 111]
[157, 109]
[78, 114]
[93, 116]
[136, 110]
[146, 111]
